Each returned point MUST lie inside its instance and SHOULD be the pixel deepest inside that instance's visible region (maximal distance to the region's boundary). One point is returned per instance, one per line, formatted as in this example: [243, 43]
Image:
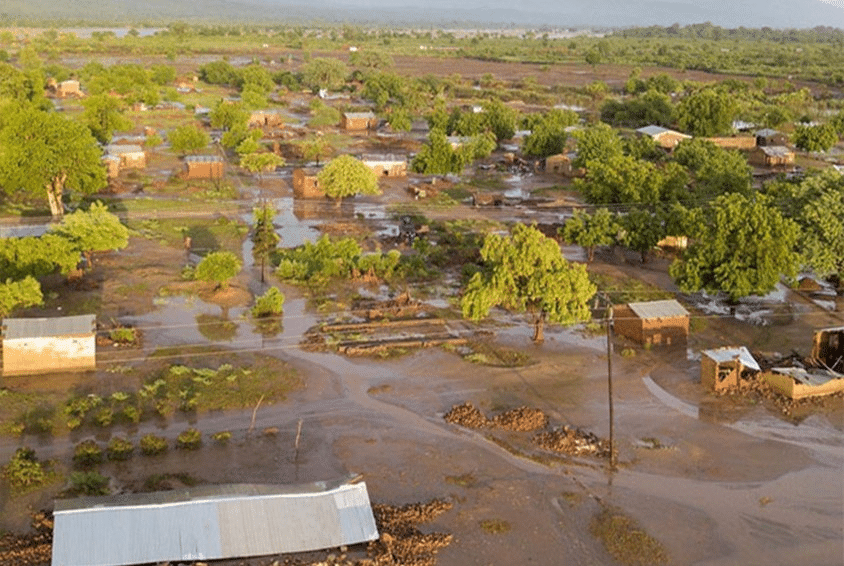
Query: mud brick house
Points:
[386, 165]
[266, 119]
[211, 522]
[734, 142]
[204, 167]
[665, 138]
[654, 322]
[131, 156]
[306, 184]
[771, 156]
[69, 88]
[799, 383]
[561, 165]
[724, 368]
[358, 121]
[828, 348]
[41, 345]
[112, 163]
[768, 137]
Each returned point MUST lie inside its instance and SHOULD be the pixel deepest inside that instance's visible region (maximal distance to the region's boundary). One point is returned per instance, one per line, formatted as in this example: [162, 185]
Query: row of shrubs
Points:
[89, 453]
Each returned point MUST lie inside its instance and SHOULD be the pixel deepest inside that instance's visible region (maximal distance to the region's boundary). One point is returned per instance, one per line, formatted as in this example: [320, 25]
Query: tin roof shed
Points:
[23, 328]
[722, 355]
[210, 522]
[658, 309]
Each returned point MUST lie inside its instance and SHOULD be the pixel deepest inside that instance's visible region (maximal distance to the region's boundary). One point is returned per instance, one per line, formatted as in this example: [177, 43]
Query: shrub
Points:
[88, 483]
[269, 304]
[152, 445]
[218, 267]
[123, 335]
[104, 417]
[119, 448]
[87, 453]
[222, 437]
[24, 470]
[190, 439]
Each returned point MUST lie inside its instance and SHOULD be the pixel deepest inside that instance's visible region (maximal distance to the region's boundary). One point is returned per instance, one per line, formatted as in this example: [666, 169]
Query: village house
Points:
[653, 322]
[771, 156]
[665, 138]
[358, 121]
[40, 345]
[724, 368]
[266, 119]
[306, 184]
[112, 164]
[131, 156]
[799, 383]
[561, 165]
[211, 522]
[828, 348]
[69, 88]
[386, 165]
[769, 137]
[734, 142]
[204, 167]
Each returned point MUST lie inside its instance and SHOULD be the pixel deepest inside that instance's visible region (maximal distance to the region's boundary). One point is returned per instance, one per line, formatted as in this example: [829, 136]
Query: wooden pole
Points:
[609, 383]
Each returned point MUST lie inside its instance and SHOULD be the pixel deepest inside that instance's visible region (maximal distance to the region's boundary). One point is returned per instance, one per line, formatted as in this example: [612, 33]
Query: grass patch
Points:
[165, 482]
[495, 526]
[467, 480]
[490, 354]
[625, 540]
[627, 290]
[206, 234]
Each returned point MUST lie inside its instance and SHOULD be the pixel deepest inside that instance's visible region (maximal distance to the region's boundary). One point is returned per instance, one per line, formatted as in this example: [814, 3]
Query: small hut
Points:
[386, 165]
[724, 368]
[653, 322]
[358, 121]
[306, 184]
[204, 167]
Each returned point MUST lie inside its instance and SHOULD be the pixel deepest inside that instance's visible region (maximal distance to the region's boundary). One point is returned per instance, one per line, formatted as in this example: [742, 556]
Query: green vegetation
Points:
[625, 540]
[189, 439]
[87, 454]
[119, 448]
[527, 272]
[87, 483]
[152, 445]
[347, 176]
[495, 526]
[24, 471]
[188, 138]
[218, 267]
[270, 303]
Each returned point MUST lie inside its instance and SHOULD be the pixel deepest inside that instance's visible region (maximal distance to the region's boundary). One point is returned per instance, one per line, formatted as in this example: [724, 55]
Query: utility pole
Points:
[609, 322]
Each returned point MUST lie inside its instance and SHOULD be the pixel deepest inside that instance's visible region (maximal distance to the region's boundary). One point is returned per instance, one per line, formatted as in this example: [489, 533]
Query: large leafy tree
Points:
[526, 271]
[707, 112]
[188, 138]
[324, 72]
[716, 170]
[93, 230]
[590, 230]
[548, 135]
[37, 256]
[815, 138]
[596, 143]
[23, 293]
[345, 176]
[621, 179]
[218, 267]
[743, 246]
[46, 152]
[103, 116]
[642, 229]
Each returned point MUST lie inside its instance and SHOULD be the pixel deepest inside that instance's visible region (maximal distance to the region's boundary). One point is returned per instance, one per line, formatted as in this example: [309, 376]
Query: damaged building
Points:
[724, 368]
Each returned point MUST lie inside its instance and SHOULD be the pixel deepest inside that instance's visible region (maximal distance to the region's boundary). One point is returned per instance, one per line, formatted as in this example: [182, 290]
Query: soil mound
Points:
[32, 549]
[522, 419]
[467, 415]
[573, 441]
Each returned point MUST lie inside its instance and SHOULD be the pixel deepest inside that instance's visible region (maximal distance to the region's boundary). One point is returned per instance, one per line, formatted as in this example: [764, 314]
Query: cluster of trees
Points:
[24, 260]
[440, 156]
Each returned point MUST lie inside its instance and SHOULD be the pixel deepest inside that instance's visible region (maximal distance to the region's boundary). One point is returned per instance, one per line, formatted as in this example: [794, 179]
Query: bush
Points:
[104, 417]
[24, 470]
[152, 445]
[190, 439]
[218, 267]
[87, 453]
[269, 304]
[119, 449]
[88, 483]
[123, 335]
[222, 437]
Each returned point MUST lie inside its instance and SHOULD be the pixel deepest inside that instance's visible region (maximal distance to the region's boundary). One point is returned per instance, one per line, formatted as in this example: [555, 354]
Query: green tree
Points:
[716, 170]
[315, 147]
[548, 135]
[270, 303]
[228, 115]
[526, 271]
[500, 119]
[258, 163]
[590, 230]
[642, 229]
[218, 73]
[93, 230]
[742, 247]
[324, 73]
[218, 267]
[371, 59]
[41, 151]
[707, 112]
[621, 179]
[103, 115]
[596, 143]
[265, 239]
[188, 138]
[345, 176]
[23, 293]
[815, 138]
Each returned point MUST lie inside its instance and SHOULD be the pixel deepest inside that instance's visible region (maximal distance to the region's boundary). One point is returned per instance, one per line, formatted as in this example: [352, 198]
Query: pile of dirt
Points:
[467, 415]
[573, 441]
[31, 549]
[522, 419]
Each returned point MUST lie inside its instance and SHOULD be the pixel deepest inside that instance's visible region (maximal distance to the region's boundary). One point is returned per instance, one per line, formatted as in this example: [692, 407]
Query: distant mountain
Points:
[559, 13]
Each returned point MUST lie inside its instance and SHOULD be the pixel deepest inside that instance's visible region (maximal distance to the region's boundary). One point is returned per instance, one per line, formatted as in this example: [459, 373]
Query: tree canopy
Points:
[815, 138]
[218, 267]
[93, 230]
[590, 230]
[526, 271]
[707, 112]
[44, 151]
[346, 176]
[188, 138]
[743, 246]
[548, 135]
[103, 116]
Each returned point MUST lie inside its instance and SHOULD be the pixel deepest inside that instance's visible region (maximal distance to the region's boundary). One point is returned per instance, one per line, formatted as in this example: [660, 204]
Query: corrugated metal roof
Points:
[813, 378]
[120, 149]
[387, 158]
[766, 133]
[210, 522]
[358, 114]
[775, 150]
[726, 354]
[19, 328]
[658, 309]
[203, 158]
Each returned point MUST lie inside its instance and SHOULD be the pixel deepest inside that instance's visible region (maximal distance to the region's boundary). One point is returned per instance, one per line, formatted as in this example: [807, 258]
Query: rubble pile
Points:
[31, 549]
[521, 419]
[401, 541]
[759, 390]
[573, 441]
[467, 415]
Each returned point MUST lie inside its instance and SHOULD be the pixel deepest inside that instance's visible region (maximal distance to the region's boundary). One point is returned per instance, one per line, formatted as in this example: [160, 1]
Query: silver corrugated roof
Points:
[658, 309]
[210, 522]
[358, 114]
[721, 355]
[203, 158]
[119, 149]
[814, 377]
[775, 150]
[19, 328]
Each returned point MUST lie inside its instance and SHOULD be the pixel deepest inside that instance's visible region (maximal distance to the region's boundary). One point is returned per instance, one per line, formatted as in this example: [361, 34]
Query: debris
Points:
[573, 441]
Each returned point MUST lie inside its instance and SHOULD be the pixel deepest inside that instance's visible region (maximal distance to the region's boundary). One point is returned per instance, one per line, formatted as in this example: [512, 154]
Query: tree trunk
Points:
[54, 196]
[539, 328]
[591, 253]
